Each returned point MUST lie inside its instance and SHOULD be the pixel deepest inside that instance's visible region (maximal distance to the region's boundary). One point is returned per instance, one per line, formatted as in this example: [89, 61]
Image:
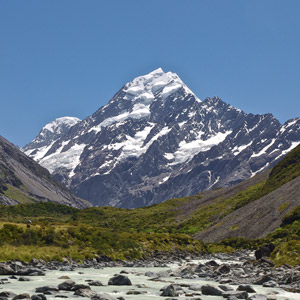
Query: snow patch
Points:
[263, 151]
[68, 159]
[187, 150]
[139, 111]
[164, 180]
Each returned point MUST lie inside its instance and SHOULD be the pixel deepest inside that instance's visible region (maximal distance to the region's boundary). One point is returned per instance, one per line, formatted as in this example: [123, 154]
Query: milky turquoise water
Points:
[136, 275]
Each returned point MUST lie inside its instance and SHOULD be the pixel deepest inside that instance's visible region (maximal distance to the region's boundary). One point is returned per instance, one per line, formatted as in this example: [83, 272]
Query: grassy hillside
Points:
[125, 233]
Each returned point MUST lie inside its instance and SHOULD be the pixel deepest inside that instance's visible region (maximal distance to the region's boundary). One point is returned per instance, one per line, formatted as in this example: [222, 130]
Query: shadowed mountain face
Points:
[22, 180]
[156, 140]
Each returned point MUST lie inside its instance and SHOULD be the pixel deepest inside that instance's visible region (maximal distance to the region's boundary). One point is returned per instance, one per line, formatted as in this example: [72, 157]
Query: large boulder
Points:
[170, 291]
[119, 280]
[264, 250]
[6, 270]
[211, 290]
[223, 269]
[246, 287]
[31, 272]
[7, 294]
[46, 288]
[85, 293]
[21, 296]
[66, 285]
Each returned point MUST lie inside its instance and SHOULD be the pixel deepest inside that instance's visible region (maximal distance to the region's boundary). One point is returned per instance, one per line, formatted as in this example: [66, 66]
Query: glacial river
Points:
[137, 276]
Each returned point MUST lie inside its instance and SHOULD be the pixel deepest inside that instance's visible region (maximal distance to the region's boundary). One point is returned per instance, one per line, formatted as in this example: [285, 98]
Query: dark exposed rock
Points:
[6, 270]
[7, 294]
[80, 286]
[119, 280]
[46, 288]
[170, 291]
[211, 290]
[66, 285]
[262, 279]
[236, 294]
[95, 283]
[223, 269]
[264, 250]
[22, 296]
[247, 288]
[23, 279]
[212, 263]
[38, 297]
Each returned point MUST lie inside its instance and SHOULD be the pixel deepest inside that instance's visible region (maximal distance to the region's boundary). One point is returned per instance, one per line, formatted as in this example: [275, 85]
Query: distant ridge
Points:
[22, 180]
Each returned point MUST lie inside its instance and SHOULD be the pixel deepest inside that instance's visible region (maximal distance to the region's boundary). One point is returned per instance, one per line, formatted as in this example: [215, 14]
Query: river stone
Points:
[225, 288]
[85, 293]
[264, 250]
[7, 294]
[270, 283]
[237, 294]
[223, 269]
[136, 292]
[38, 297]
[195, 287]
[119, 280]
[150, 274]
[258, 297]
[212, 263]
[34, 261]
[170, 291]
[23, 279]
[95, 283]
[103, 296]
[247, 288]
[47, 288]
[261, 280]
[81, 286]
[31, 272]
[211, 290]
[21, 296]
[66, 285]
[6, 270]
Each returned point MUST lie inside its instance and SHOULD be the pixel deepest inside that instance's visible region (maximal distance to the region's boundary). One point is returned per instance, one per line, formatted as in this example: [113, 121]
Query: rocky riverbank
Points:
[236, 276]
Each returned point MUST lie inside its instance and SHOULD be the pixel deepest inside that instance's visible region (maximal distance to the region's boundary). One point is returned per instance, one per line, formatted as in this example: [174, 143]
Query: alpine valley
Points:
[156, 140]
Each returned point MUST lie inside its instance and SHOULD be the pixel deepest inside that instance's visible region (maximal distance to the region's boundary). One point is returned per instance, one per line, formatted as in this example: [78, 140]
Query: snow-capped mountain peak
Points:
[155, 140]
[48, 135]
[157, 83]
[58, 125]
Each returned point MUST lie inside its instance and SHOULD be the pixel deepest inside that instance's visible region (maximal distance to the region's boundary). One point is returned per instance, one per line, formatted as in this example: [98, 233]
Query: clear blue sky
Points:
[70, 57]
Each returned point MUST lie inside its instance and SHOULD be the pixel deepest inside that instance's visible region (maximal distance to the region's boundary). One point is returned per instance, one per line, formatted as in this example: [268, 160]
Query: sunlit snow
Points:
[55, 125]
[68, 159]
[187, 150]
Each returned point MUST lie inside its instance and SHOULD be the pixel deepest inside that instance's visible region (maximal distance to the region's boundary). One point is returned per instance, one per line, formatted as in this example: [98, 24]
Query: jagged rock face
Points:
[156, 140]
